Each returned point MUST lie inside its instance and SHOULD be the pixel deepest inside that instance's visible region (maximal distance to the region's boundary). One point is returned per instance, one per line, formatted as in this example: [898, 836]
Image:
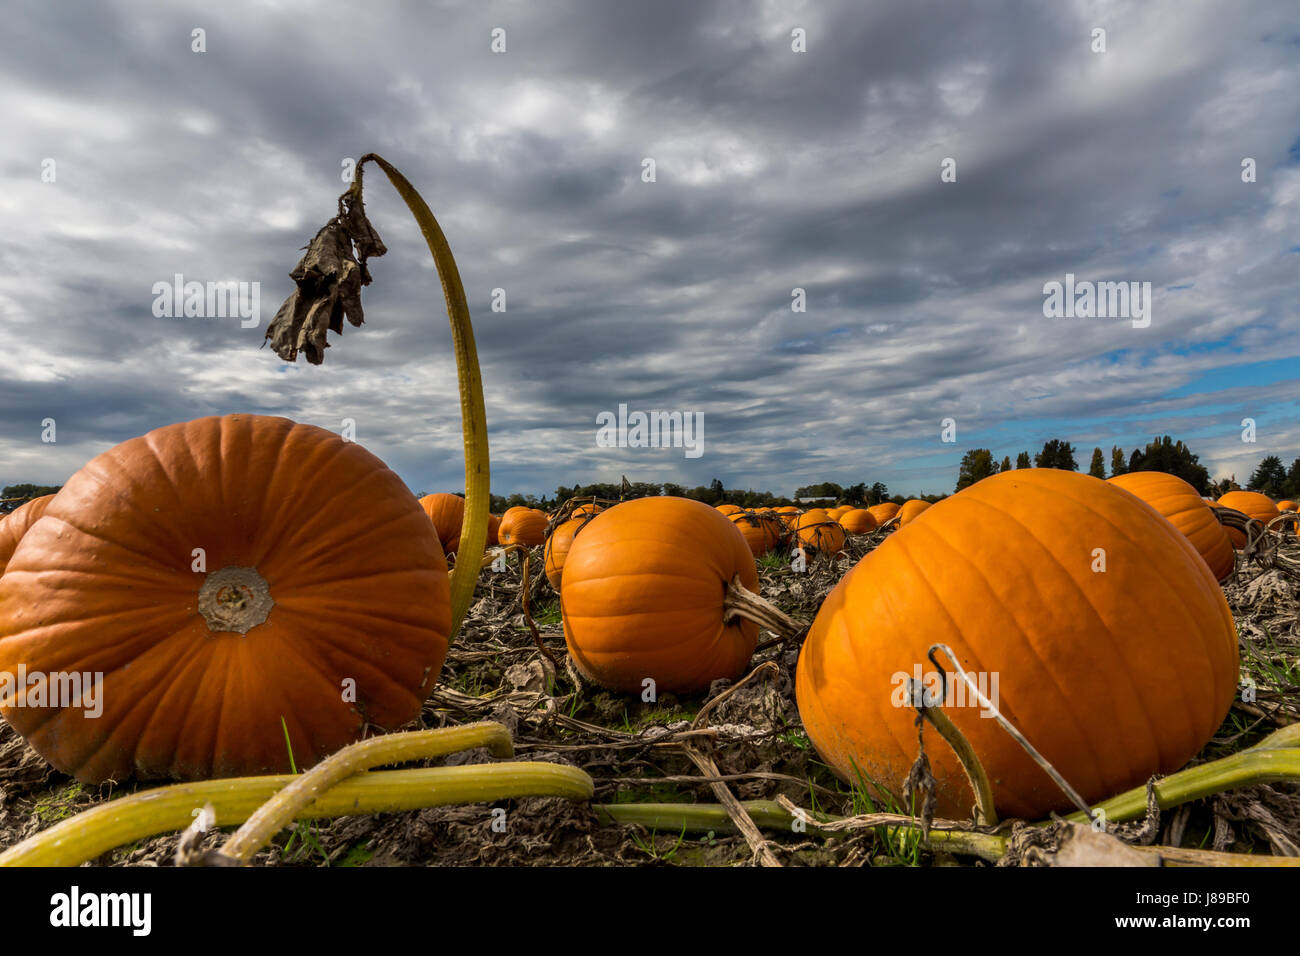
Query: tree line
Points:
[1162, 454]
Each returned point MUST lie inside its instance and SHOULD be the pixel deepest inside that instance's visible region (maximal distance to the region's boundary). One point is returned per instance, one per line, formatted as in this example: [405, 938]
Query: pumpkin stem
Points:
[149, 813]
[1261, 545]
[473, 417]
[985, 813]
[742, 602]
[277, 812]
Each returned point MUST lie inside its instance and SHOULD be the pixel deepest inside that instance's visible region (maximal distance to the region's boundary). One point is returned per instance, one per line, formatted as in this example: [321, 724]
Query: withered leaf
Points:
[328, 281]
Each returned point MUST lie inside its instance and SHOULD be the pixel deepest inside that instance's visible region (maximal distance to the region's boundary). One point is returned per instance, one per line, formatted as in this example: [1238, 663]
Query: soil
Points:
[634, 752]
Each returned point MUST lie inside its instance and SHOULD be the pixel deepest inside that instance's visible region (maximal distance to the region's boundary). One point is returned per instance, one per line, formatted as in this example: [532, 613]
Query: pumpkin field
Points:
[243, 640]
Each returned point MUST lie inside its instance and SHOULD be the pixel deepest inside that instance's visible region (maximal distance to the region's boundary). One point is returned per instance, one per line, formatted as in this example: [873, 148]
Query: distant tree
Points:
[876, 494]
[1293, 480]
[1173, 458]
[25, 492]
[827, 489]
[1006, 463]
[1056, 454]
[976, 465]
[1098, 467]
[1270, 478]
[717, 493]
[856, 494]
[1022, 460]
[677, 491]
[1118, 463]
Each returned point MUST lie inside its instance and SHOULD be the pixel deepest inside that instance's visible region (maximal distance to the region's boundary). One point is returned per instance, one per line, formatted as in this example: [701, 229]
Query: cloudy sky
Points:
[774, 170]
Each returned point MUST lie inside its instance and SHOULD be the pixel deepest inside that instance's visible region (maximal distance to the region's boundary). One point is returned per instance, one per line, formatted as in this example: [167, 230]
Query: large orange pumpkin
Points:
[1187, 511]
[1287, 505]
[523, 526]
[16, 525]
[727, 509]
[1112, 675]
[1252, 504]
[223, 575]
[858, 521]
[910, 509]
[557, 550]
[884, 511]
[642, 596]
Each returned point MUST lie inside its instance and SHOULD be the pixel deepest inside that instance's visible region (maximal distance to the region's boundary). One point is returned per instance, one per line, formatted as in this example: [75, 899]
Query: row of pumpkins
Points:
[230, 573]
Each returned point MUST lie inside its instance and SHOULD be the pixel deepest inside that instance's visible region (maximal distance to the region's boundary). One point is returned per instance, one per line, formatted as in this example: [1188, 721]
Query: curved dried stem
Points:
[742, 602]
[1263, 542]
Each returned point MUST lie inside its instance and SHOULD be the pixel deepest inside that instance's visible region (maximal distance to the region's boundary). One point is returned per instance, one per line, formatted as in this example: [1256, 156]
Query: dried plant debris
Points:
[328, 280]
[635, 751]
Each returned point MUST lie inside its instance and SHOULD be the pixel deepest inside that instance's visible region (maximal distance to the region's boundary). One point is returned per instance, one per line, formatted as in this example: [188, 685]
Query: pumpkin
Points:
[858, 521]
[557, 550]
[16, 525]
[789, 515]
[643, 592]
[523, 526]
[818, 530]
[837, 513]
[222, 575]
[493, 532]
[910, 509]
[446, 512]
[1182, 507]
[729, 509]
[1287, 505]
[1113, 676]
[761, 533]
[1253, 505]
[884, 511]
[588, 509]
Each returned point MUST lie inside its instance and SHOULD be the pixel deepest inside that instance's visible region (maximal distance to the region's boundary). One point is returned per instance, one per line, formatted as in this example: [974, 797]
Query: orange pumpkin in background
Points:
[523, 526]
[642, 596]
[910, 509]
[17, 523]
[884, 511]
[446, 512]
[729, 509]
[858, 521]
[1253, 505]
[1112, 675]
[1187, 511]
[583, 511]
[221, 575]
[761, 532]
[557, 550]
[816, 529]
[1286, 505]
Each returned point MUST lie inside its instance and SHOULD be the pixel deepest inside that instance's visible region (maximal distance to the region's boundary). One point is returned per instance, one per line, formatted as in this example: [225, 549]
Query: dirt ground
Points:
[635, 753]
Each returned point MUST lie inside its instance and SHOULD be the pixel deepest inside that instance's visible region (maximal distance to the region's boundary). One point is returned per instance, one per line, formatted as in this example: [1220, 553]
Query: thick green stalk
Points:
[152, 812]
[473, 417]
[276, 814]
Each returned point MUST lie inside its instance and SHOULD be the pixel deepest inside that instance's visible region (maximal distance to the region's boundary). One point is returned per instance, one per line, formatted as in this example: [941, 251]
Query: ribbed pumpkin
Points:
[320, 596]
[837, 512]
[884, 511]
[910, 509]
[1113, 676]
[728, 509]
[642, 596]
[1187, 511]
[16, 525]
[557, 549]
[817, 529]
[1287, 505]
[446, 512]
[1252, 504]
[858, 521]
[591, 508]
[523, 526]
[761, 532]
